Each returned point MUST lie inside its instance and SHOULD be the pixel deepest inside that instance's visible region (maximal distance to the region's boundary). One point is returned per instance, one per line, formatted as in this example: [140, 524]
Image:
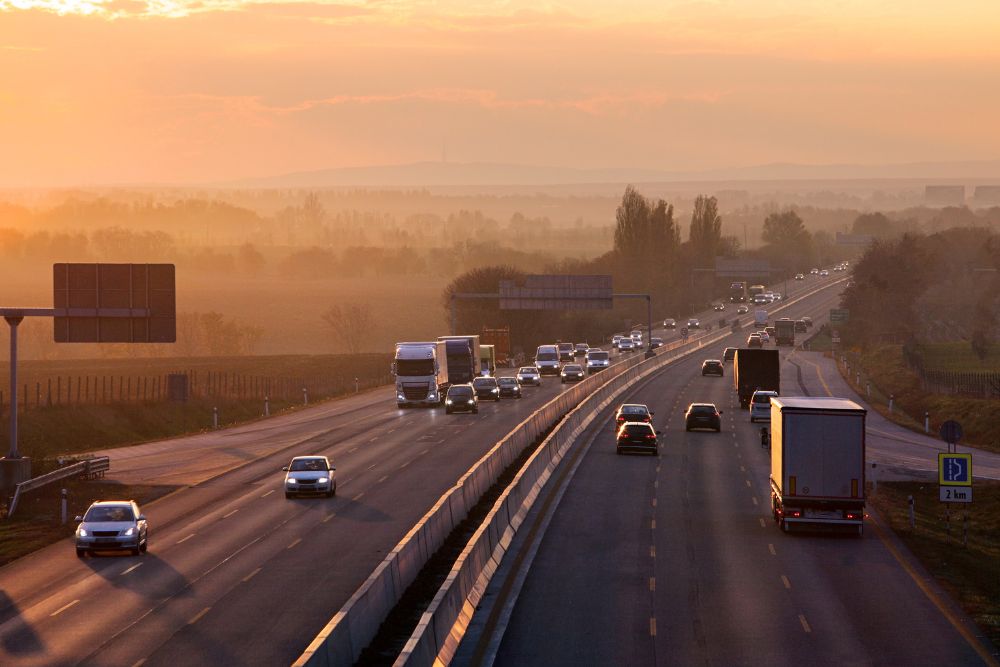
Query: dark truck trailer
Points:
[818, 463]
[784, 332]
[463, 358]
[755, 369]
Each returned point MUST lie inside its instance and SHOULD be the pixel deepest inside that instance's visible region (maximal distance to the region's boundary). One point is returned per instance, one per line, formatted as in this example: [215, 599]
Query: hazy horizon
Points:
[188, 92]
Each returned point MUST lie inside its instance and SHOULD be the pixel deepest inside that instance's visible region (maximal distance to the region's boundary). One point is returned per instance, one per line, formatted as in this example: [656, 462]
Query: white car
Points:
[764, 336]
[616, 341]
[597, 359]
[636, 337]
[824, 272]
[626, 345]
[112, 525]
[529, 375]
[760, 406]
[310, 475]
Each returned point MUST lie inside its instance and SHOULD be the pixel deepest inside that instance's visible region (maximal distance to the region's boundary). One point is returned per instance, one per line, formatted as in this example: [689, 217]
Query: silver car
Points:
[112, 525]
[529, 375]
[310, 475]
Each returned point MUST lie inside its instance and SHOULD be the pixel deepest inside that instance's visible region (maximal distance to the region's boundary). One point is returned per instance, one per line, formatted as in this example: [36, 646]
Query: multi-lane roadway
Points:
[676, 559]
[237, 574]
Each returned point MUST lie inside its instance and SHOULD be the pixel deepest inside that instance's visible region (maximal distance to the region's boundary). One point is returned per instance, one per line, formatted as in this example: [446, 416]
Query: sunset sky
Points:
[187, 91]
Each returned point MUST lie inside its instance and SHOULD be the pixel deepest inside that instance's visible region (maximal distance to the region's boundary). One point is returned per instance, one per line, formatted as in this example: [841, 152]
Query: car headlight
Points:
[130, 532]
[471, 401]
[292, 480]
[496, 391]
[323, 480]
[447, 401]
[400, 395]
[82, 532]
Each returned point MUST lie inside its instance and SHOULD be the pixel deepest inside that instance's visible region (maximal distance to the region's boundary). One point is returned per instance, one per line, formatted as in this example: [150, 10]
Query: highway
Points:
[237, 574]
[676, 560]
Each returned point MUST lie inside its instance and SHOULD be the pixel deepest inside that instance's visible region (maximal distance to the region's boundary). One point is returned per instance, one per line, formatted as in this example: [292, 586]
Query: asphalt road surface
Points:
[676, 560]
[237, 574]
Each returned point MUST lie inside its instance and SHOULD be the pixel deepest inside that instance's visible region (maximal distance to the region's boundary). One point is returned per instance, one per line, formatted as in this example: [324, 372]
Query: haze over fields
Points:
[290, 157]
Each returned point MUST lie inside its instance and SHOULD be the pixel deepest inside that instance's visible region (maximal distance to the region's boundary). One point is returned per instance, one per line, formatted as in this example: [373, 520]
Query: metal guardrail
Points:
[357, 622]
[89, 468]
[353, 627]
[442, 626]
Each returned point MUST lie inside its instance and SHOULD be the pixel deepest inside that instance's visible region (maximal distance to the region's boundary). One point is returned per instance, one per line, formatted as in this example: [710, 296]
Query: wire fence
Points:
[82, 390]
[959, 383]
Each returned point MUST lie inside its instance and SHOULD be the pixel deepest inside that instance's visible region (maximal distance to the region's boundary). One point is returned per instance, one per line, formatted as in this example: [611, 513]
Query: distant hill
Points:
[430, 174]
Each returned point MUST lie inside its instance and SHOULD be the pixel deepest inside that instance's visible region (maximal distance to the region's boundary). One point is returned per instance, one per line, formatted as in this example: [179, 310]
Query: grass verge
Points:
[969, 572]
[885, 370]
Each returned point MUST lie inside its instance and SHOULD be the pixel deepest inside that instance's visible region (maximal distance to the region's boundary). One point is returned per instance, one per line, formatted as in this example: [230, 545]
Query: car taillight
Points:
[650, 437]
[853, 515]
[795, 514]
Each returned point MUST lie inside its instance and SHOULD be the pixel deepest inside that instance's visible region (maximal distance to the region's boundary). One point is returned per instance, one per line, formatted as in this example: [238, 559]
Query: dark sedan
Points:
[703, 415]
[486, 389]
[509, 387]
[636, 437]
[571, 373]
[712, 367]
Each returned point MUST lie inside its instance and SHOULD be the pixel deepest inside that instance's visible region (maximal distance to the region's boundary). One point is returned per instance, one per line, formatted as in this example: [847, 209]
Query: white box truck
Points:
[421, 371]
[817, 463]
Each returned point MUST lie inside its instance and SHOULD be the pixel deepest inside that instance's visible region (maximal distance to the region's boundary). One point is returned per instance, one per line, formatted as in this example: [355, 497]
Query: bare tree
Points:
[350, 323]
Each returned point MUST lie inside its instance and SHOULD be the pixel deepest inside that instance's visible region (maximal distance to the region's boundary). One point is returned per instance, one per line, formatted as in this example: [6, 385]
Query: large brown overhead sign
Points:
[114, 303]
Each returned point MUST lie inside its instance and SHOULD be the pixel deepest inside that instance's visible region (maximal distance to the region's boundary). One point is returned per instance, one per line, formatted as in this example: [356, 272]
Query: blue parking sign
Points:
[955, 469]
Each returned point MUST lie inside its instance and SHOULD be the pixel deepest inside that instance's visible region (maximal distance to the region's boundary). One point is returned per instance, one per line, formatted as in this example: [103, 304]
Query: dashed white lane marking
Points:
[770, 547]
[652, 552]
[373, 439]
[652, 583]
[352, 450]
[294, 542]
[656, 484]
[786, 582]
[762, 524]
[132, 569]
[404, 465]
[329, 516]
[139, 663]
[382, 479]
[197, 617]
[252, 575]
[226, 516]
[652, 626]
[754, 499]
[805, 623]
[372, 466]
[743, 469]
[185, 539]
[268, 493]
[63, 608]
[654, 502]
[424, 452]
[358, 497]
[652, 524]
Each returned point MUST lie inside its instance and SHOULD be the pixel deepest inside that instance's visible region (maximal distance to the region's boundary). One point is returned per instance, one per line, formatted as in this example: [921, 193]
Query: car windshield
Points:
[702, 410]
[110, 513]
[572, 368]
[301, 465]
[460, 392]
[634, 410]
[507, 381]
[480, 383]
[762, 398]
[528, 370]
[547, 356]
[598, 355]
[638, 429]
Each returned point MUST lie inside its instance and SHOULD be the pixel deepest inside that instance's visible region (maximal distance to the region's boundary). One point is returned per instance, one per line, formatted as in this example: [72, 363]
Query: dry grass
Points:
[971, 573]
